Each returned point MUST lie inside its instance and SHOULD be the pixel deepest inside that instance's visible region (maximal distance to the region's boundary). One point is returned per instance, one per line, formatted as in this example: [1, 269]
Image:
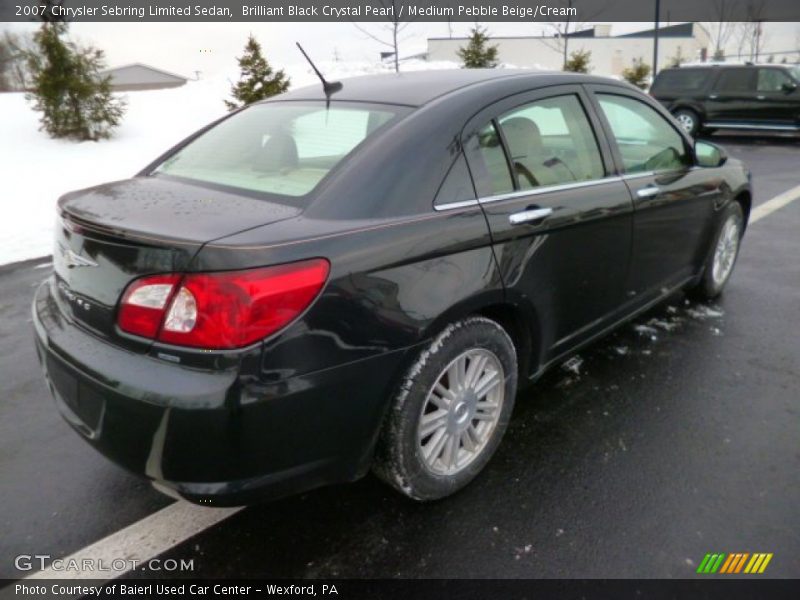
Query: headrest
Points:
[523, 137]
[279, 153]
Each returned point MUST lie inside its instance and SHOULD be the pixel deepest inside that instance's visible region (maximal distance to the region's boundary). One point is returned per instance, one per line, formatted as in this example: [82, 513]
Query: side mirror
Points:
[789, 87]
[709, 155]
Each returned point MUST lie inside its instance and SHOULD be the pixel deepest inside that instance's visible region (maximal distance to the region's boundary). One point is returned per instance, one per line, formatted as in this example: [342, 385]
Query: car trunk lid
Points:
[112, 234]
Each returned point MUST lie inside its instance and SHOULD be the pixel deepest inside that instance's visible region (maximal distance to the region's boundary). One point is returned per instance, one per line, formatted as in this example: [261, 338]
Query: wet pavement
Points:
[676, 436]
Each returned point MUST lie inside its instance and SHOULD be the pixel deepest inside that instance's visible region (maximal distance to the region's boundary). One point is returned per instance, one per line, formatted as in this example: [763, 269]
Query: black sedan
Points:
[318, 286]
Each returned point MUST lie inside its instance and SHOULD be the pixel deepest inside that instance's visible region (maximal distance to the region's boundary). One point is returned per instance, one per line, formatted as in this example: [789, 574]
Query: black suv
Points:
[756, 97]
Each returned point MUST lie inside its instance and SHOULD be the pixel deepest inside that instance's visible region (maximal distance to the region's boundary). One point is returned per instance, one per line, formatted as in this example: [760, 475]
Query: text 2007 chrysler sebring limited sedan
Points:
[301, 292]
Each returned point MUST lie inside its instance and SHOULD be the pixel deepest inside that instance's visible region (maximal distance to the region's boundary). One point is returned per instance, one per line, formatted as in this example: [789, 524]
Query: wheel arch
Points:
[688, 105]
[518, 319]
[745, 199]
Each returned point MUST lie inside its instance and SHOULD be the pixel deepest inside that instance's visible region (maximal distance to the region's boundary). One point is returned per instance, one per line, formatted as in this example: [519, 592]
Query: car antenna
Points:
[329, 87]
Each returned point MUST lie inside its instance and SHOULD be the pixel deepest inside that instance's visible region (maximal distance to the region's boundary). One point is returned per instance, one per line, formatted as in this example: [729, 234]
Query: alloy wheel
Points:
[461, 411]
[686, 122]
[726, 250]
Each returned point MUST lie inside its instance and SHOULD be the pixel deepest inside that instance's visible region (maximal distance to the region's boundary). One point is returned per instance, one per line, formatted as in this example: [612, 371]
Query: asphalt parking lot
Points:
[677, 436]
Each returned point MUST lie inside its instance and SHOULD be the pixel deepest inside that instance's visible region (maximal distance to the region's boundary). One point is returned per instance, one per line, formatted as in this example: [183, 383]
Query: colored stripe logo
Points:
[738, 562]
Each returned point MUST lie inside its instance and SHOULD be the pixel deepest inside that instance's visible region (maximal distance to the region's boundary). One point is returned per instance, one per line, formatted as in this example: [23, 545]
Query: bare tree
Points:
[393, 30]
[14, 50]
[563, 29]
[749, 35]
[721, 28]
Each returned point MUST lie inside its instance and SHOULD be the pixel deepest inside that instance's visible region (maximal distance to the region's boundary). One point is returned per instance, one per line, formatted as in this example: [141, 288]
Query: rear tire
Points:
[688, 120]
[450, 411]
[722, 257]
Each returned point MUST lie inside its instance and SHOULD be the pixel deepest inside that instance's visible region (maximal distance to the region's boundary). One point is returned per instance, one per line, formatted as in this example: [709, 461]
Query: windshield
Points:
[795, 71]
[281, 148]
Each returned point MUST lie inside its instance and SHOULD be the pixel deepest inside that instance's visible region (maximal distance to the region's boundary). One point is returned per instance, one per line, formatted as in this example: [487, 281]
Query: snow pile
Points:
[37, 170]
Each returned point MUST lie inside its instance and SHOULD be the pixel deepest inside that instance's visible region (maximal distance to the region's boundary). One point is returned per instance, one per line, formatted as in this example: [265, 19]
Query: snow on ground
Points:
[36, 170]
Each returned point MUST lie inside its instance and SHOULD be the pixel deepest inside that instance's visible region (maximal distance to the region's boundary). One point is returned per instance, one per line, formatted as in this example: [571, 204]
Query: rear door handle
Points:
[648, 191]
[530, 215]
[760, 97]
[713, 97]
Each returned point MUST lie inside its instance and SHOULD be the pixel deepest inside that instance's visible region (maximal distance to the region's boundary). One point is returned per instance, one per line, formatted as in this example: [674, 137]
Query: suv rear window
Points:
[283, 148]
[736, 80]
[681, 79]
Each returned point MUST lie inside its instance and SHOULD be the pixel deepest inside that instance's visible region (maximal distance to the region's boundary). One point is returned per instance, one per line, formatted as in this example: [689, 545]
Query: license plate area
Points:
[81, 405]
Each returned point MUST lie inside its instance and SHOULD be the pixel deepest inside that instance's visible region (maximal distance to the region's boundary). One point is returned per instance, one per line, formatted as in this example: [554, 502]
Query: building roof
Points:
[113, 70]
[680, 30]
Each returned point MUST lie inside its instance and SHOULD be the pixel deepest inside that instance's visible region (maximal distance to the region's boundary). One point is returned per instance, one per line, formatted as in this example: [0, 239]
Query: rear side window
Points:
[736, 80]
[773, 80]
[684, 80]
[283, 148]
[646, 140]
[551, 142]
[457, 186]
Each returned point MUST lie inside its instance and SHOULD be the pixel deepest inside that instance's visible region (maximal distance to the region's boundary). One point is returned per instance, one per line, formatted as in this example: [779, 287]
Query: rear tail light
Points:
[143, 303]
[220, 310]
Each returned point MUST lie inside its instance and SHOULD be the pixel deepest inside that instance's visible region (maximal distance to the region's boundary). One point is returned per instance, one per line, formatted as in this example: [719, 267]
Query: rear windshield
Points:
[681, 79]
[283, 148]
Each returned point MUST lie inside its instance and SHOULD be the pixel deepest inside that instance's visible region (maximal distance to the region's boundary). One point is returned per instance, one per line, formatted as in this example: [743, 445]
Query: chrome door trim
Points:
[629, 176]
[531, 192]
[454, 205]
[547, 189]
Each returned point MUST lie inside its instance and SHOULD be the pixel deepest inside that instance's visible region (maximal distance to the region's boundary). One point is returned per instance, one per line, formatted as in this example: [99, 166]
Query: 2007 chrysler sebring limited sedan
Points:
[304, 291]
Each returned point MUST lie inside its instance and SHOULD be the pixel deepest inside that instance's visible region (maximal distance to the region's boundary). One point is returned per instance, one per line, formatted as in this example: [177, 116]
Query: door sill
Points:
[609, 328]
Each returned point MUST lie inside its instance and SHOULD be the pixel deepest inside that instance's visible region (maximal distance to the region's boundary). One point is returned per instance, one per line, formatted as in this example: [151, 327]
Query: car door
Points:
[777, 99]
[673, 200]
[732, 98]
[559, 218]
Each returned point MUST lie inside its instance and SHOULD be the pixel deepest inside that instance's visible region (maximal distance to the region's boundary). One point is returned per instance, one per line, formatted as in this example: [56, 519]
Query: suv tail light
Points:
[220, 310]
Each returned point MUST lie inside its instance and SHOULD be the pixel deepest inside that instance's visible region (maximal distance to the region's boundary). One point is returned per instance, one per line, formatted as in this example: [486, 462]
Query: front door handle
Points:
[761, 97]
[530, 215]
[648, 191]
[713, 97]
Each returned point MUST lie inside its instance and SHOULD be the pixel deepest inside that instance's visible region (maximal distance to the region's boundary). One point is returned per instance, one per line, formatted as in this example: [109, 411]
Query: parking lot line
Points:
[140, 542]
[773, 204]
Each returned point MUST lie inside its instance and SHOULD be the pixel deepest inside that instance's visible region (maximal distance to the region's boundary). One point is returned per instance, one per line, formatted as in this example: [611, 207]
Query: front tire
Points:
[450, 411]
[722, 258]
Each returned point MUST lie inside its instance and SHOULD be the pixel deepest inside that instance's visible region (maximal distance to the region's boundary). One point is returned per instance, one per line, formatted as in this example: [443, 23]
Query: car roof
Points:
[416, 88]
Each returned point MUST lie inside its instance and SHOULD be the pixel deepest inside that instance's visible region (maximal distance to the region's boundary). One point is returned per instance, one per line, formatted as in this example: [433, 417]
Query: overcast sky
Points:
[213, 47]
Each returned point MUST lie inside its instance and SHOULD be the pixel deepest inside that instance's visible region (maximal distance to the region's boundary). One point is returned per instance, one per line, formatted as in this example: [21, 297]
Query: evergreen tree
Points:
[75, 100]
[578, 61]
[257, 79]
[477, 54]
[637, 74]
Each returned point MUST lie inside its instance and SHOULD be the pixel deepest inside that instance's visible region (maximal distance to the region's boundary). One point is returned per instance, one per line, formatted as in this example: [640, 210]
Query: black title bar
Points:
[575, 11]
[738, 588]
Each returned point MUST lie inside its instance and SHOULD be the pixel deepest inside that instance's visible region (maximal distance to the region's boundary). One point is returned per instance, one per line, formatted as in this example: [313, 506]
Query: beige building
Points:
[139, 76]
[610, 54]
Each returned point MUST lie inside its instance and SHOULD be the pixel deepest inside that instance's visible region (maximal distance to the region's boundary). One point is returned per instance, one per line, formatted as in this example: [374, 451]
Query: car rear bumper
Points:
[213, 437]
